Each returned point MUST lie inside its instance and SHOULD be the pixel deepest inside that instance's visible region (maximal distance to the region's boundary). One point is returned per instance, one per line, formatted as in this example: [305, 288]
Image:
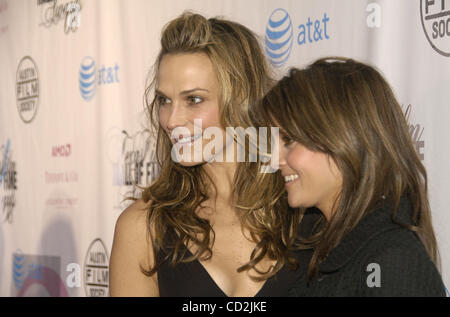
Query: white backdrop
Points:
[74, 139]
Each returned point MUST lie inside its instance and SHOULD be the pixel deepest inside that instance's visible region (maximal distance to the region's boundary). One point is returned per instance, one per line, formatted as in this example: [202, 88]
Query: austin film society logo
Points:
[96, 270]
[435, 16]
[27, 89]
[280, 35]
[90, 78]
[8, 182]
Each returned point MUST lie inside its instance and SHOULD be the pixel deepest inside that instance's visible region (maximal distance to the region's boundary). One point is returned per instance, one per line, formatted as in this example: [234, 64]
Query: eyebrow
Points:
[184, 92]
[281, 130]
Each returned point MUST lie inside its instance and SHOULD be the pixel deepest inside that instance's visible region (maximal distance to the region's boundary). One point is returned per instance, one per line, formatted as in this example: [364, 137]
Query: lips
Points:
[186, 139]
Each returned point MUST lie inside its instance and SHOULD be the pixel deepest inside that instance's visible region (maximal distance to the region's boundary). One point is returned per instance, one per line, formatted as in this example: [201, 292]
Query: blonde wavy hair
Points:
[259, 198]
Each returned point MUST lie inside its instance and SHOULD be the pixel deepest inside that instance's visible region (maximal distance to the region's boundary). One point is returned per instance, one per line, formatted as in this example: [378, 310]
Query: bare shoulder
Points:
[131, 251]
[134, 219]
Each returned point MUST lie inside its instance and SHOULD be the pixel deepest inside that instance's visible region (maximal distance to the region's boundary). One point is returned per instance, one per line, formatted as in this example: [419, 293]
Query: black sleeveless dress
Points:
[192, 280]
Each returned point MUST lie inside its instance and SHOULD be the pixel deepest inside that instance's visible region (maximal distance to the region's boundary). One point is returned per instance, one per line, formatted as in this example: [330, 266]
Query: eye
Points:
[286, 140]
[162, 100]
[193, 100]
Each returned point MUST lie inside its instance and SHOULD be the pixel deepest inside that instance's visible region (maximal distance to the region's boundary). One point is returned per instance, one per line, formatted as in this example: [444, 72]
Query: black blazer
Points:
[377, 258]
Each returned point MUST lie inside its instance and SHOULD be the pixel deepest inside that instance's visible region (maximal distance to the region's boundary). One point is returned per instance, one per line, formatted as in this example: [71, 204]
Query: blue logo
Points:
[279, 37]
[88, 78]
[19, 269]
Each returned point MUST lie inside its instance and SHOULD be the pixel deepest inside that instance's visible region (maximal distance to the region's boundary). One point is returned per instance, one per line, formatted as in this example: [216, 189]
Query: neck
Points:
[328, 206]
[222, 172]
[222, 175]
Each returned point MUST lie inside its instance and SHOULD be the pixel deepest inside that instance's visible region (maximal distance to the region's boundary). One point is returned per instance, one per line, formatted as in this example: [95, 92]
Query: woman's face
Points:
[187, 90]
[312, 178]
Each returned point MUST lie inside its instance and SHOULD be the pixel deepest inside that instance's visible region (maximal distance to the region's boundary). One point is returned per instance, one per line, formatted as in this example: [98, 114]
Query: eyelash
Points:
[286, 140]
[161, 100]
[192, 100]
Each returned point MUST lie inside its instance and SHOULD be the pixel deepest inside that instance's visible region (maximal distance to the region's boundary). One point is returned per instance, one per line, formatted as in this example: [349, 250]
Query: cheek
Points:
[336, 174]
[209, 116]
[327, 174]
[291, 160]
[162, 116]
[298, 159]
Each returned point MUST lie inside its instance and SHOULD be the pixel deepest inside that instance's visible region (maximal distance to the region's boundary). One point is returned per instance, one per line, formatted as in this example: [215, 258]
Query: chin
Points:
[297, 203]
[293, 204]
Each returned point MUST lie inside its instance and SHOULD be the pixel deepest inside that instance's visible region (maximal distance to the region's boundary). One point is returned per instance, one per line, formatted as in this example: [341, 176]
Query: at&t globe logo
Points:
[279, 37]
[87, 78]
[19, 269]
[90, 77]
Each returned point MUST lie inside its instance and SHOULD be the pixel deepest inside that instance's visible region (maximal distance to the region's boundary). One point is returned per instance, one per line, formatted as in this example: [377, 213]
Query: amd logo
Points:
[61, 150]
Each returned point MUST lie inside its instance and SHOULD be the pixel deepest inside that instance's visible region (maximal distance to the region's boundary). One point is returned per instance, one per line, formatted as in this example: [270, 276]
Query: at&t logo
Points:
[87, 78]
[37, 276]
[279, 37]
[19, 269]
[90, 77]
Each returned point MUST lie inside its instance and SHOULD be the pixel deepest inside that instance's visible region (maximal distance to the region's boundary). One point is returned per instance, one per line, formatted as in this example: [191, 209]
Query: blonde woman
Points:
[205, 228]
[346, 150]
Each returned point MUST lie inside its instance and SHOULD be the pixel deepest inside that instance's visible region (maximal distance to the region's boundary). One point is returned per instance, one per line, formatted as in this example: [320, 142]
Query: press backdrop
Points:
[74, 139]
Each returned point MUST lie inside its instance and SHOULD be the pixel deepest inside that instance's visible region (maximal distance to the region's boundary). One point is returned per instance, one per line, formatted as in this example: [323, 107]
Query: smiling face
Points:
[312, 178]
[187, 90]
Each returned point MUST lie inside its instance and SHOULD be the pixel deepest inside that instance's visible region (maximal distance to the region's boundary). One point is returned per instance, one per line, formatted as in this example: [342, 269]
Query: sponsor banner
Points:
[74, 133]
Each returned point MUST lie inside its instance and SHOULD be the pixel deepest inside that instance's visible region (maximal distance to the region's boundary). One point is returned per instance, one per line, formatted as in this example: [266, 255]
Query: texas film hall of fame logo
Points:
[8, 181]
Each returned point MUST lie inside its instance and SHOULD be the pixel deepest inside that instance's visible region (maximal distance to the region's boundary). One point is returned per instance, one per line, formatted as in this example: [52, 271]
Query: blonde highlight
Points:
[259, 199]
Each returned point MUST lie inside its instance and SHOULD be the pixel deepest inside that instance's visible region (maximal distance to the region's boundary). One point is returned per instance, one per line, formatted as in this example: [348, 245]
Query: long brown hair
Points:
[347, 110]
[244, 77]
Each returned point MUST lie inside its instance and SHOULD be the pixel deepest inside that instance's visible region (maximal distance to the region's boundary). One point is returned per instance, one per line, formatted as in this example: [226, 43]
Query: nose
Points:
[176, 117]
[282, 152]
[278, 159]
